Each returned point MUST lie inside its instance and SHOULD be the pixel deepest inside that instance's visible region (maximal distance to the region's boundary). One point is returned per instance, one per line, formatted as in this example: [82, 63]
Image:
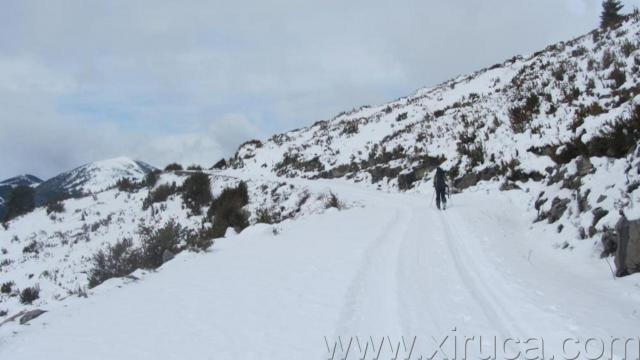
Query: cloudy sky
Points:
[189, 81]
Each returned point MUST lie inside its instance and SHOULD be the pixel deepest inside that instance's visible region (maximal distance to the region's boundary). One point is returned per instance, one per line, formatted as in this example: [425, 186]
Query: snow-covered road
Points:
[394, 267]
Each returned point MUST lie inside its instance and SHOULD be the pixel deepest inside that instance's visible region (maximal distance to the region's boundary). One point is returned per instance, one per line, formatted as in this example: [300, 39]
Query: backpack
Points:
[439, 181]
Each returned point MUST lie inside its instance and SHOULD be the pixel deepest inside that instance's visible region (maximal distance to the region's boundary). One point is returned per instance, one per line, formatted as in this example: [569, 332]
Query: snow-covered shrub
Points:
[31, 248]
[151, 178]
[194, 167]
[156, 241]
[7, 287]
[229, 214]
[238, 196]
[29, 295]
[519, 118]
[263, 216]
[332, 201]
[173, 167]
[160, 194]
[628, 47]
[55, 207]
[117, 260]
[608, 58]
[196, 192]
[619, 137]
[200, 241]
[618, 76]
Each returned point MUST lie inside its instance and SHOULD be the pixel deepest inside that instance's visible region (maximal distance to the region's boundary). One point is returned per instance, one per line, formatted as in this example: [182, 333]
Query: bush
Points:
[628, 47]
[160, 194]
[19, 202]
[519, 119]
[238, 195]
[32, 248]
[117, 260]
[532, 104]
[200, 241]
[29, 295]
[126, 185]
[151, 178]
[155, 242]
[333, 202]
[618, 76]
[263, 216]
[194, 168]
[608, 58]
[618, 138]
[227, 215]
[475, 152]
[173, 167]
[7, 287]
[610, 16]
[558, 73]
[55, 207]
[196, 192]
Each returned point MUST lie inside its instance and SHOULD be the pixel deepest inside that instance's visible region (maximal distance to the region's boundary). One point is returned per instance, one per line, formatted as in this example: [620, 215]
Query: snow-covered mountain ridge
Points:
[91, 178]
[562, 124]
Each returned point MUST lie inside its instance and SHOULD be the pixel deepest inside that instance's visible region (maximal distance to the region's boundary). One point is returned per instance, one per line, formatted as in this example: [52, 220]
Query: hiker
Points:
[441, 187]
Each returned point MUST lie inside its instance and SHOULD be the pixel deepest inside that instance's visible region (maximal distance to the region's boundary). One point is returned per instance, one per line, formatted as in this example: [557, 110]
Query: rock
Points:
[582, 233]
[30, 315]
[598, 213]
[167, 256]
[572, 182]
[558, 207]
[557, 176]
[339, 171]
[508, 185]
[584, 166]
[406, 180]
[583, 200]
[380, 172]
[627, 258]
[601, 198]
[467, 180]
[609, 242]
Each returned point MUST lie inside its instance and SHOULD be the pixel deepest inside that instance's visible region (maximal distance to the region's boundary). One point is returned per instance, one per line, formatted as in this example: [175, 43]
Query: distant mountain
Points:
[7, 185]
[91, 178]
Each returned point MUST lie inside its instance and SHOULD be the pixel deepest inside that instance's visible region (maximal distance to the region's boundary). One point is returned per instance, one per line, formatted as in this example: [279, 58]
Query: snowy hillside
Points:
[562, 124]
[92, 178]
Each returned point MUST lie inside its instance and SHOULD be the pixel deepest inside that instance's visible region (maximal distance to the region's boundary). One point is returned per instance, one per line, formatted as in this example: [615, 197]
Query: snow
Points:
[394, 267]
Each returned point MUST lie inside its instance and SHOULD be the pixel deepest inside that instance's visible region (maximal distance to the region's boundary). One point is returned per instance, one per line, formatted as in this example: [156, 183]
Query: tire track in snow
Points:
[495, 311]
[416, 303]
[367, 300]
